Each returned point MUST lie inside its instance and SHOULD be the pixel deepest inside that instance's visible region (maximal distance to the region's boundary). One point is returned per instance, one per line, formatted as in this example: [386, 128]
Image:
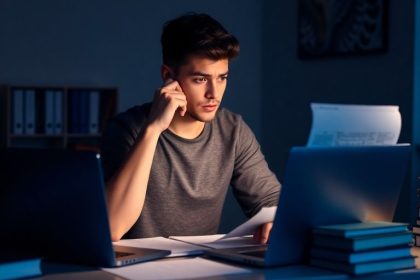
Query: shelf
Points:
[36, 136]
[55, 117]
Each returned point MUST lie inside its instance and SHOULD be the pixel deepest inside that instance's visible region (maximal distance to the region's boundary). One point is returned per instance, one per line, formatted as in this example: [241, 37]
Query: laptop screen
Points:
[52, 203]
[333, 185]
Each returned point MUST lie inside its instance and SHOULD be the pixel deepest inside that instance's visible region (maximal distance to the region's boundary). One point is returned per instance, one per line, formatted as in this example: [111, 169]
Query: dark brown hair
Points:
[196, 34]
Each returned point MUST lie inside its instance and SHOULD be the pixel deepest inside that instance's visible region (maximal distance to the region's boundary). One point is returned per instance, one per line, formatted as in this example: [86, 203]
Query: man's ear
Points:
[166, 73]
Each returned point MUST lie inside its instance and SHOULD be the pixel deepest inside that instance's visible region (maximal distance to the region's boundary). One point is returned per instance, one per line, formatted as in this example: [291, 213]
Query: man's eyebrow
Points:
[198, 73]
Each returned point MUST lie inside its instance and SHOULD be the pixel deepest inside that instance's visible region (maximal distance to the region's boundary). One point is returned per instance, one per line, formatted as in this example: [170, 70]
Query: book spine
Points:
[49, 112]
[17, 111]
[30, 112]
[58, 112]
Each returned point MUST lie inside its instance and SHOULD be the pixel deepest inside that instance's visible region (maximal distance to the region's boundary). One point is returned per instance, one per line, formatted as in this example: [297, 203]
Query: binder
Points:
[84, 111]
[58, 112]
[49, 112]
[74, 112]
[29, 116]
[94, 112]
[40, 112]
[17, 113]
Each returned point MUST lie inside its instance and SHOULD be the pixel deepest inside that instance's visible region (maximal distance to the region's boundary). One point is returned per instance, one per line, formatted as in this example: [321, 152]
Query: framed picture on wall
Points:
[341, 27]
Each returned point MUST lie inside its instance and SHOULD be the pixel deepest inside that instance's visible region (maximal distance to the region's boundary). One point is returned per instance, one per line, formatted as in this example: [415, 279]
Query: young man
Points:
[168, 165]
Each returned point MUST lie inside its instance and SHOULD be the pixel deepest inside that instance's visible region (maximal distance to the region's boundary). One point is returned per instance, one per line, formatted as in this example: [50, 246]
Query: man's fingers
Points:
[177, 98]
[265, 232]
[257, 235]
[171, 85]
[183, 110]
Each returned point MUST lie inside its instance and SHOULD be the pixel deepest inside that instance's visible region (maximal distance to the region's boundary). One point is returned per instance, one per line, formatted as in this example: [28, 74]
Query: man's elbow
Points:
[116, 235]
[117, 231]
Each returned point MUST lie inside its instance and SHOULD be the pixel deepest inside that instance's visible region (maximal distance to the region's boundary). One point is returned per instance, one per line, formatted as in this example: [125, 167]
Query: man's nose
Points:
[211, 91]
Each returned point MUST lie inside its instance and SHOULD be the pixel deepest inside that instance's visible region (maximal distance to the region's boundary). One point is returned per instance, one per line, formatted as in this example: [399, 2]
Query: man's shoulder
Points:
[134, 114]
[133, 118]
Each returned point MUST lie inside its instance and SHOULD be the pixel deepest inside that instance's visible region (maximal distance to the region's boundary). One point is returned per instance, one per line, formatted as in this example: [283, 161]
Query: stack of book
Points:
[362, 248]
[416, 228]
[13, 268]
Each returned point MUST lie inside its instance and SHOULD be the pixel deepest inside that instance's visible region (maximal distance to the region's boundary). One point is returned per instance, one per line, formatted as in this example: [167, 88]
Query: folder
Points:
[74, 98]
[49, 112]
[17, 113]
[84, 111]
[58, 112]
[94, 112]
[29, 115]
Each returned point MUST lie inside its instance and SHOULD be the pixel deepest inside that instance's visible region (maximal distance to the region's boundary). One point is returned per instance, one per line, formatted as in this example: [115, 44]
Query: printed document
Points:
[241, 236]
[351, 125]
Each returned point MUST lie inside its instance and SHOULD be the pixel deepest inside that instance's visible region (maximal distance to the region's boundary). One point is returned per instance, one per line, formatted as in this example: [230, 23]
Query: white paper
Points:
[198, 239]
[350, 125]
[177, 248]
[217, 242]
[194, 245]
[265, 215]
[177, 269]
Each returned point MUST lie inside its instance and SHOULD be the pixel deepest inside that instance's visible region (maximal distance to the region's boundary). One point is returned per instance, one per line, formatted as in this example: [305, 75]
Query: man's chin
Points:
[204, 117]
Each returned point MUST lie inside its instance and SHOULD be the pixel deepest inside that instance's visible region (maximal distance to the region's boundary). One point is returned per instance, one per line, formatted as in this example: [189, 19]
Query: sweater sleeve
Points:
[118, 139]
[254, 184]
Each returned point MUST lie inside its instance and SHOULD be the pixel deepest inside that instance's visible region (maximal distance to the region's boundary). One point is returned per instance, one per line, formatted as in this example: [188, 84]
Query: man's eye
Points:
[200, 80]
[223, 78]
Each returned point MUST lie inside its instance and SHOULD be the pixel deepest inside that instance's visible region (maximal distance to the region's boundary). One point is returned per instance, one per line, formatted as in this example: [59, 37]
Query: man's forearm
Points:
[126, 191]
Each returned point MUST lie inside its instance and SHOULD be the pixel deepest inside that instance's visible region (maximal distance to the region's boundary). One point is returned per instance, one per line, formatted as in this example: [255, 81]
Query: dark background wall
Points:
[116, 43]
[290, 84]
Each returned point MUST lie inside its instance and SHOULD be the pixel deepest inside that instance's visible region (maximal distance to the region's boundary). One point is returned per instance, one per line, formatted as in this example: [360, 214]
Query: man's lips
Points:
[209, 107]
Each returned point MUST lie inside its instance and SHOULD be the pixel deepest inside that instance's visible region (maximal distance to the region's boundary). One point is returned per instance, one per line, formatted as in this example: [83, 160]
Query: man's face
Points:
[204, 82]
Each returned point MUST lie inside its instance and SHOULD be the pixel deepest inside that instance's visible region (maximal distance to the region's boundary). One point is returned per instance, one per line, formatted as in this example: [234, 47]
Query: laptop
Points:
[52, 204]
[327, 185]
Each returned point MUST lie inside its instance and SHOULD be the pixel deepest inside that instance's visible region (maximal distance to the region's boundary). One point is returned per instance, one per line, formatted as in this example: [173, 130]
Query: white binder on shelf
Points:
[58, 112]
[29, 116]
[94, 112]
[49, 112]
[17, 111]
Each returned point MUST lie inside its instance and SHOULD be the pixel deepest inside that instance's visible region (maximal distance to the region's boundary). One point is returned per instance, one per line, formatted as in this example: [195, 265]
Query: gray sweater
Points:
[189, 178]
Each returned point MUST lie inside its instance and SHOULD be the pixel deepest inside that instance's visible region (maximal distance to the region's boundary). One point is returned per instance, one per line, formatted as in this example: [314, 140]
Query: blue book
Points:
[361, 243]
[360, 257]
[20, 268]
[364, 268]
[361, 229]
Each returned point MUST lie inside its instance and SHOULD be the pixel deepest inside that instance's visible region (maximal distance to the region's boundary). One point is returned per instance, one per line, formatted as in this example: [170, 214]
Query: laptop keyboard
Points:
[122, 254]
[256, 253]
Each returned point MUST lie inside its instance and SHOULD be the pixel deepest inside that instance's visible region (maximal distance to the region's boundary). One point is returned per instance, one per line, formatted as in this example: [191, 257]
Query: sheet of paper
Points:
[189, 268]
[265, 215]
[199, 239]
[177, 248]
[217, 242]
[349, 125]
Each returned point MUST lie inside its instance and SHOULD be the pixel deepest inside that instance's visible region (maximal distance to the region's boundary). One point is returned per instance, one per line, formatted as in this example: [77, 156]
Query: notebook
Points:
[52, 204]
[323, 186]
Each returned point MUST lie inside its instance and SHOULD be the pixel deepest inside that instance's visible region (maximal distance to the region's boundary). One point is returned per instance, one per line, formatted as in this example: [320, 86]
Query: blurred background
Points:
[292, 53]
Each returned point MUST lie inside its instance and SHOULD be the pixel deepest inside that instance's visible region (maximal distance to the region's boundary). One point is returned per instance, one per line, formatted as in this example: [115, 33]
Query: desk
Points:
[57, 271]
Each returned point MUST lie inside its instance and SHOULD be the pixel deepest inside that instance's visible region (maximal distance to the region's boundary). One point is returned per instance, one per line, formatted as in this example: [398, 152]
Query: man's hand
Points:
[166, 102]
[263, 233]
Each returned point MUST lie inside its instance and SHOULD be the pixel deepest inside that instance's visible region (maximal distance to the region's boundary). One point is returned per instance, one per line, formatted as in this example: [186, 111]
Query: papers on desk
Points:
[217, 241]
[349, 125]
[190, 268]
[265, 215]
[241, 236]
[176, 247]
